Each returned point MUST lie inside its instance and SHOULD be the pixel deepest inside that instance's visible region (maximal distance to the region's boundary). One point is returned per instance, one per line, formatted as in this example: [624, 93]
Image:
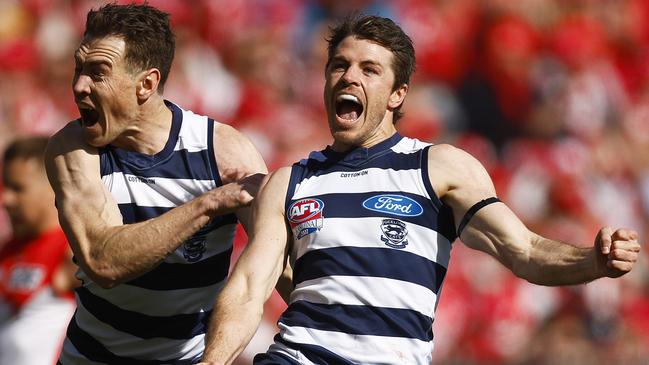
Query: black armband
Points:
[473, 210]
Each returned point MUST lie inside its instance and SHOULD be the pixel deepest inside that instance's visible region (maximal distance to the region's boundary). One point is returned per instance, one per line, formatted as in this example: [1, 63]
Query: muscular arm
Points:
[239, 307]
[461, 181]
[231, 160]
[109, 251]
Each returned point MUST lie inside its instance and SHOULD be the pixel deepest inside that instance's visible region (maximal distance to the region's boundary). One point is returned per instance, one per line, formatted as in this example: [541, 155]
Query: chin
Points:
[346, 138]
[95, 141]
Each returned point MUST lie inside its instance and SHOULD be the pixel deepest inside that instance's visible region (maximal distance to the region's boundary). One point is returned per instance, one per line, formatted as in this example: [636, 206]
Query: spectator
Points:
[36, 270]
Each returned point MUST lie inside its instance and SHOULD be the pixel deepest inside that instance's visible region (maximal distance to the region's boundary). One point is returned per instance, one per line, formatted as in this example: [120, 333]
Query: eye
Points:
[338, 66]
[371, 71]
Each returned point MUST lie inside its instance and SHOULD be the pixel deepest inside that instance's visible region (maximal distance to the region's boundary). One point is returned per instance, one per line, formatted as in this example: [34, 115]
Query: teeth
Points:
[349, 98]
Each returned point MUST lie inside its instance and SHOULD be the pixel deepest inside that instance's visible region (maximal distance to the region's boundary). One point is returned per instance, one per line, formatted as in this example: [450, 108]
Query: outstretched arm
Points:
[109, 251]
[239, 306]
[461, 181]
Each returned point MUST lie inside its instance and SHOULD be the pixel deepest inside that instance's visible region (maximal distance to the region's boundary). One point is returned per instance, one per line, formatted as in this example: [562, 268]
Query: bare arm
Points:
[109, 251]
[496, 230]
[230, 160]
[239, 307]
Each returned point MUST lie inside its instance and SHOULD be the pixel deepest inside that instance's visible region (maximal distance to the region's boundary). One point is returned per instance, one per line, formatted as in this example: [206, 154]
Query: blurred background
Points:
[552, 96]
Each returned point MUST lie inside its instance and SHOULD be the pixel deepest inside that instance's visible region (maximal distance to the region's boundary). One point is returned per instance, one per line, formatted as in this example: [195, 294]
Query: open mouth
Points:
[89, 117]
[348, 107]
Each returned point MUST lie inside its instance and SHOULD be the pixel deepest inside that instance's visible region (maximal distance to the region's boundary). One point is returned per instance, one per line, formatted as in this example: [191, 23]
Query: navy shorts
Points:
[273, 358]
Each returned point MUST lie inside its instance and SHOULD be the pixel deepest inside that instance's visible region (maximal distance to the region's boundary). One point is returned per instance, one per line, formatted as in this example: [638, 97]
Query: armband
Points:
[472, 211]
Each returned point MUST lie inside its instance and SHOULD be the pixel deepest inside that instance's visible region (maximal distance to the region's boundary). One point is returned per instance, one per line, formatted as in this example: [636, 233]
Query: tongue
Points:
[349, 116]
[348, 111]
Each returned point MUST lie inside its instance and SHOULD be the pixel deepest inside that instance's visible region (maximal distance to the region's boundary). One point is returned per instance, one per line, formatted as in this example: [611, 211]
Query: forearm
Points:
[553, 263]
[234, 322]
[113, 254]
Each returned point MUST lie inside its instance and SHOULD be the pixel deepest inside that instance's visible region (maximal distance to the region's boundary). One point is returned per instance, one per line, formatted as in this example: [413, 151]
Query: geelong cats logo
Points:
[305, 217]
[195, 246]
[394, 233]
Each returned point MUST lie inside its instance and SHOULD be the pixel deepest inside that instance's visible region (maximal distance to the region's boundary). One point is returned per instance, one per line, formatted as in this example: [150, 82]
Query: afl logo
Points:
[305, 217]
[394, 233]
[394, 204]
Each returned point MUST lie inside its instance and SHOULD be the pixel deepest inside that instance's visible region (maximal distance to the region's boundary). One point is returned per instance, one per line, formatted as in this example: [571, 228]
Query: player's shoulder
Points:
[452, 167]
[69, 132]
[233, 149]
[447, 154]
[66, 139]
[225, 133]
[275, 184]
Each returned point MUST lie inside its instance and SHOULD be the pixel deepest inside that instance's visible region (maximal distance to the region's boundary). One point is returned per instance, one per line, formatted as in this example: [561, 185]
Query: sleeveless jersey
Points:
[371, 247]
[160, 317]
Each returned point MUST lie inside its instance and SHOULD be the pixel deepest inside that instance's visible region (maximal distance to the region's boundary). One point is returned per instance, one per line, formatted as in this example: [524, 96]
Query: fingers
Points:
[623, 251]
[624, 234]
[232, 175]
[604, 239]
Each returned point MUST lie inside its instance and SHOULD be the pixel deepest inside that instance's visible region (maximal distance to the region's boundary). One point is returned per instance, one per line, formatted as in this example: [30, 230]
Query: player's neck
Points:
[149, 132]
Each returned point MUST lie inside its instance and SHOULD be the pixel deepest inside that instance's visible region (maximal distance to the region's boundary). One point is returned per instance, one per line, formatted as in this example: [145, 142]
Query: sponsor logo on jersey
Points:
[394, 233]
[139, 179]
[26, 277]
[305, 217]
[354, 174]
[394, 204]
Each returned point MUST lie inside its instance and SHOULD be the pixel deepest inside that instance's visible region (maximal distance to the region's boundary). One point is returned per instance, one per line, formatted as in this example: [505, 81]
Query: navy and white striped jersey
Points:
[372, 243]
[160, 317]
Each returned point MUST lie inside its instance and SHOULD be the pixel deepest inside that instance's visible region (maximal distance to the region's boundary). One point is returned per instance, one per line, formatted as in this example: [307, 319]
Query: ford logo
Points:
[394, 204]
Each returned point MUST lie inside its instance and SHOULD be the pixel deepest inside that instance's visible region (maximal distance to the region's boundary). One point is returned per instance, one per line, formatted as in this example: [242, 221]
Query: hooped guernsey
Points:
[371, 248]
[161, 316]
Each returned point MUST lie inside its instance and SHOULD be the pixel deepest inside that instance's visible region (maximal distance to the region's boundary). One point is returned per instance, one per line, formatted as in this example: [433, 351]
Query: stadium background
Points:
[551, 95]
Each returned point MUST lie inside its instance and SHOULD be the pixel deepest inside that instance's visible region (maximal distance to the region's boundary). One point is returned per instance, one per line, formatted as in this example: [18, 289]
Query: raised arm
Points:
[109, 251]
[239, 307]
[461, 182]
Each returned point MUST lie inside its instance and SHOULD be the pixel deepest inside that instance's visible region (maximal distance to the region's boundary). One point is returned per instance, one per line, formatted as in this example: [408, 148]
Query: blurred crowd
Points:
[552, 96]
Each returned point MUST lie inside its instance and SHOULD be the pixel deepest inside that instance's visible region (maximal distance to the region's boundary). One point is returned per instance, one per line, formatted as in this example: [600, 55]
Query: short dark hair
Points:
[25, 148]
[384, 32]
[150, 42]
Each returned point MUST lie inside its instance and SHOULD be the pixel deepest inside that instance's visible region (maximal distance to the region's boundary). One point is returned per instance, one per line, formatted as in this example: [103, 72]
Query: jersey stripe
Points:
[358, 290]
[375, 262]
[168, 276]
[88, 347]
[131, 346]
[358, 320]
[369, 179]
[400, 161]
[373, 349]
[340, 234]
[317, 355]
[177, 166]
[159, 302]
[155, 192]
[179, 326]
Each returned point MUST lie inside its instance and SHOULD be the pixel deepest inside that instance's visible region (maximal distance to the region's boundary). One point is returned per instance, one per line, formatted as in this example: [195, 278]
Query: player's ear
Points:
[397, 96]
[147, 83]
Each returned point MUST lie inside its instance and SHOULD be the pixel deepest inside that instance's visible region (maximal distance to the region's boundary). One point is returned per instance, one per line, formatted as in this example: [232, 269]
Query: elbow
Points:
[522, 265]
[102, 275]
[104, 282]
[530, 270]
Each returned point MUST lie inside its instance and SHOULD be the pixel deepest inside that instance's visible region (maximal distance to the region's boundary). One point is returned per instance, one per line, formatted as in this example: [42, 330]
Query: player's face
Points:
[358, 94]
[26, 196]
[104, 90]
